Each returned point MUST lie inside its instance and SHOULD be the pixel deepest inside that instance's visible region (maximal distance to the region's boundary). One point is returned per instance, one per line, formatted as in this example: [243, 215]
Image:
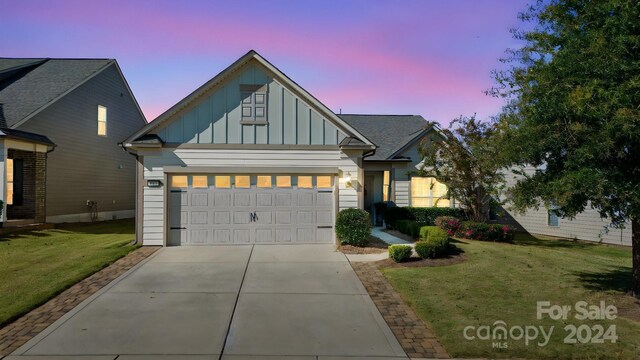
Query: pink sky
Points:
[426, 57]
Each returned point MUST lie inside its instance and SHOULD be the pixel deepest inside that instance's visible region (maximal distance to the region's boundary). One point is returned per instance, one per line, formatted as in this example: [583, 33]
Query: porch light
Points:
[347, 180]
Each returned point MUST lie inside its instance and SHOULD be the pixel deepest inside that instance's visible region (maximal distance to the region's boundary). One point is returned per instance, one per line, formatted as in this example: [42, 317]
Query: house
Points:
[587, 226]
[252, 157]
[60, 124]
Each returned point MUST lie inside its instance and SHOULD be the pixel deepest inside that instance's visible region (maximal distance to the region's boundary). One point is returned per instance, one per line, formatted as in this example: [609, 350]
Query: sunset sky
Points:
[426, 57]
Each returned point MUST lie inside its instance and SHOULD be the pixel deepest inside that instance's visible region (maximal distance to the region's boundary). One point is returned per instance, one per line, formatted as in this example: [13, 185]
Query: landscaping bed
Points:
[375, 246]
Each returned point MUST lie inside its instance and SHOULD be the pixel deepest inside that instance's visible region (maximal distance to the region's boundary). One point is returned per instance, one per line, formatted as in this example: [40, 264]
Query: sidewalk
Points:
[386, 237]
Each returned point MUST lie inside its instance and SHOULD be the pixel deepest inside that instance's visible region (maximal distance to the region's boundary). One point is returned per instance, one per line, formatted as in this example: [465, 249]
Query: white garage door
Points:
[250, 209]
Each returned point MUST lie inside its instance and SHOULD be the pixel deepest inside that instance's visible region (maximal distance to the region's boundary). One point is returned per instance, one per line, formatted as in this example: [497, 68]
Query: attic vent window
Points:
[253, 104]
[102, 120]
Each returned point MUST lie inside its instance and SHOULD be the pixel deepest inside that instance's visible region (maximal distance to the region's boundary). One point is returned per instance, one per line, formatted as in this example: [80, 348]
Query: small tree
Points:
[464, 160]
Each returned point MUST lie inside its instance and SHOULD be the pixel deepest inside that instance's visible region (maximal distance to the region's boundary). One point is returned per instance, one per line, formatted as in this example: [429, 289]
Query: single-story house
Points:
[60, 124]
[252, 157]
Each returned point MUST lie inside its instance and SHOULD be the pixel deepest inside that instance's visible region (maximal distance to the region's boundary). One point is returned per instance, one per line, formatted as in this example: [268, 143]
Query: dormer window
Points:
[253, 104]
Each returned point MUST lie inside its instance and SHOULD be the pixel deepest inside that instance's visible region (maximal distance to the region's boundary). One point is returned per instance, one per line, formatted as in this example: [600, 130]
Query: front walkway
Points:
[226, 302]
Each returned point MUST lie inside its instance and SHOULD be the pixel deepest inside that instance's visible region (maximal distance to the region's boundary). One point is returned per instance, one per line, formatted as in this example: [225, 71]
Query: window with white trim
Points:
[253, 104]
[553, 219]
[428, 192]
[385, 185]
[102, 120]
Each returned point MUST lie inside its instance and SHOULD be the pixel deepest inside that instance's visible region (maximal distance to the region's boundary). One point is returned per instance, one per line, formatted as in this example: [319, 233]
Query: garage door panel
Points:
[242, 199]
[283, 235]
[213, 215]
[199, 218]
[264, 199]
[222, 199]
[241, 236]
[200, 199]
[221, 217]
[264, 235]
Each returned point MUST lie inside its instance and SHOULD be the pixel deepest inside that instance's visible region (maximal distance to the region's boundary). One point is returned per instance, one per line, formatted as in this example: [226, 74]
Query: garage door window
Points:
[264, 181]
[179, 181]
[223, 182]
[283, 181]
[242, 182]
[200, 182]
[305, 182]
[323, 181]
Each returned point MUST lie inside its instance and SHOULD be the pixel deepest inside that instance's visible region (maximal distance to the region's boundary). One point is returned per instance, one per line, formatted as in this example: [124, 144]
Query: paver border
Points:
[415, 336]
[16, 334]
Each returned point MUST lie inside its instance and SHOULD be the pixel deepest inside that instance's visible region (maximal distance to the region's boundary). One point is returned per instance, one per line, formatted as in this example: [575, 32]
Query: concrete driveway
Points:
[229, 302]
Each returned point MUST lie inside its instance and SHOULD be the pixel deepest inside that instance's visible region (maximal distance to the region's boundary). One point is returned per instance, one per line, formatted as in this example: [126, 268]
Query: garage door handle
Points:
[254, 216]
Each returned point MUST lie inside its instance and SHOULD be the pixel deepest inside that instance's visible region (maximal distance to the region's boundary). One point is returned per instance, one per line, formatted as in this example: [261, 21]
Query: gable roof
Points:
[28, 86]
[192, 98]
[390, 133]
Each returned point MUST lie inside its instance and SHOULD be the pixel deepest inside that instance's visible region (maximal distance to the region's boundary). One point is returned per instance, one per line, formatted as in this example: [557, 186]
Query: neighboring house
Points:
[587, 225]
[252, 157]
[84, 107]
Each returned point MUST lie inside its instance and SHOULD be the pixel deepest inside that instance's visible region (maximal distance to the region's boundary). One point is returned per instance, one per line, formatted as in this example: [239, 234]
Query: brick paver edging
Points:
[415, 337]
[22, 330]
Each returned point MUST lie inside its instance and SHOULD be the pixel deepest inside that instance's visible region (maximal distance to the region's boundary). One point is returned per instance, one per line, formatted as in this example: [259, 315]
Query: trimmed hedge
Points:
[485, 232]
[400, 253]
[409, 227]
[435, 245]
[426, 215]
[353, 227]
[424, 232]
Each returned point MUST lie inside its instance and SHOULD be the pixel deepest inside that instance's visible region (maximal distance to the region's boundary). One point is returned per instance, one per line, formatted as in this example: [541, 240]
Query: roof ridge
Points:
[380, 114]
[51, 58]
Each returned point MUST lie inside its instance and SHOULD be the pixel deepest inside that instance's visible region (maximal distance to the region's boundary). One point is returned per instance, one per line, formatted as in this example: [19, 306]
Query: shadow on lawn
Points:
[618, 279]
[125, 226]
[530, 240]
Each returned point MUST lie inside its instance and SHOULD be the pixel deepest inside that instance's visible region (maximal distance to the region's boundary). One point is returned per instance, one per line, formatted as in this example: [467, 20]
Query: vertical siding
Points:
[154, 161]
[216, 117]
[85, 166]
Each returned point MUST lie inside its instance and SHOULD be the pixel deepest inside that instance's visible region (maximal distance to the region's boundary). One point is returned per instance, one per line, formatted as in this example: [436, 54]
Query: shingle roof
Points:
[389, 132]
[23, 135]
[26, 85]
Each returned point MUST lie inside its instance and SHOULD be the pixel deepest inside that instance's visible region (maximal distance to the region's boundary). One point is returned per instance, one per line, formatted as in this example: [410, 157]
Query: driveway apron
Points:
[229, 302]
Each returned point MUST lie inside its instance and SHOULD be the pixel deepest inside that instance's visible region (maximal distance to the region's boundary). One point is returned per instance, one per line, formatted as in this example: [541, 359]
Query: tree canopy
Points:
[573, 109]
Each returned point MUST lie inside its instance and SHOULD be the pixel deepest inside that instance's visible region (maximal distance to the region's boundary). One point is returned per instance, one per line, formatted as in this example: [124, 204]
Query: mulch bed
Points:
[417, 262]
[375, 246]
[25, 328]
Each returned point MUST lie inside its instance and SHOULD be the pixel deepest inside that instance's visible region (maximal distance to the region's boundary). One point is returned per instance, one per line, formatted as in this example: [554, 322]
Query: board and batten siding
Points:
[215, 119]
[587, 225]
[192, 159]
[85, 166]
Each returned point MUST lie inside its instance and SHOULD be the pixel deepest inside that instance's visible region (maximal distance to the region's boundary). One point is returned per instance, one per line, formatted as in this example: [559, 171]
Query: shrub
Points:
[424, 232]
[409, 227]
[449, 224]
[400, 253]
[485, 232]
[353, 227]
[428, 215]
[436, 245]
[393, 214]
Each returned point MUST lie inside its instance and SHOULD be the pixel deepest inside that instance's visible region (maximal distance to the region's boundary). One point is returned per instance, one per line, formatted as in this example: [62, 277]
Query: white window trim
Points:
[106, 118]
[432, 199]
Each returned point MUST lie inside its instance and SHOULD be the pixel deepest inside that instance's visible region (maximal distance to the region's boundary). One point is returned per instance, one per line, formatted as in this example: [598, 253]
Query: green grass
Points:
[37, 265]
[504, 282]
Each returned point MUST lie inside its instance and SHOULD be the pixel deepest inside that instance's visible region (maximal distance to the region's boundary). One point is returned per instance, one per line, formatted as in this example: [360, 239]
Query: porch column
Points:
[3, 180]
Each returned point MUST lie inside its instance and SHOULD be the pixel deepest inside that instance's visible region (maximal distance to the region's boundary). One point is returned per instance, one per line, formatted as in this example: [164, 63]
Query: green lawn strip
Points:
[38, 265]
[504, 282]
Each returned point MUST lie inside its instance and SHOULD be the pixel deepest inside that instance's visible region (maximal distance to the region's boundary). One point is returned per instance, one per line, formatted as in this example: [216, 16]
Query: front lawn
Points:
[39, 265]
[503, 282]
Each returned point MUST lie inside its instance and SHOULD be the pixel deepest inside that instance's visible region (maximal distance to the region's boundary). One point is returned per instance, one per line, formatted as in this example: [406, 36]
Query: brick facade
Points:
[33, 188]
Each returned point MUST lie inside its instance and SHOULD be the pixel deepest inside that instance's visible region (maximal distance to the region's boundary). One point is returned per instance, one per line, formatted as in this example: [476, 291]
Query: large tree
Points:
[465, 161]
[573, 110]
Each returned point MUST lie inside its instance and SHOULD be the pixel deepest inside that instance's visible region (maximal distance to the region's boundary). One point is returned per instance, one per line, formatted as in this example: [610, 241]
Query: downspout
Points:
[135, 209]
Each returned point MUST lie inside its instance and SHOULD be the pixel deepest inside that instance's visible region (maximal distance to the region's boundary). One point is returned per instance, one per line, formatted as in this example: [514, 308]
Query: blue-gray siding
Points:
[216, 117]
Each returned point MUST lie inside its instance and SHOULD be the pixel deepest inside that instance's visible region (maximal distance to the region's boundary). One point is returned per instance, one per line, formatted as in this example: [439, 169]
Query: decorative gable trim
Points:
[173, 113]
